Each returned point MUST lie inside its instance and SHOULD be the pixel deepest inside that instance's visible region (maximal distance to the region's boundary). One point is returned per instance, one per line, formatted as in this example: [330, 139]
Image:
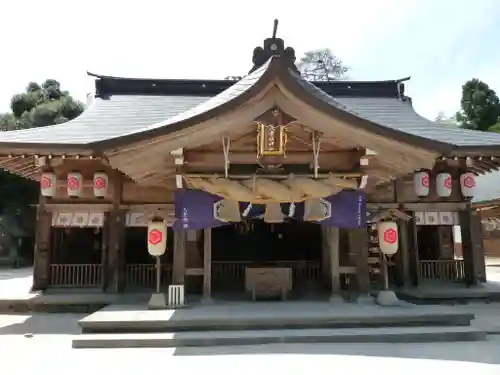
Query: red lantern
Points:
[421, 184]
[157, 237]
[75, 184]
[388, 237]
[100, 184]
[468, 184]
[444, 184]
[48, 184]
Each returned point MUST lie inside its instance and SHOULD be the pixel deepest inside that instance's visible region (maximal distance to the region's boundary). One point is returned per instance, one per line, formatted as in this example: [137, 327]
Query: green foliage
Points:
[40, 105]
[322, 65]
[480, 106]
[495, 128]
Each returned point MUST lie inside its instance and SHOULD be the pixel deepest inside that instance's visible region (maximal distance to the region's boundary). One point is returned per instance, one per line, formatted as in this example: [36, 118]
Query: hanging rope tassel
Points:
[316, 144]
[226, 144]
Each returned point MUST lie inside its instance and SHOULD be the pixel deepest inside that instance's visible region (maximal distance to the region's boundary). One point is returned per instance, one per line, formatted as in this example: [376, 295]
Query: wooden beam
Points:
[327, 159]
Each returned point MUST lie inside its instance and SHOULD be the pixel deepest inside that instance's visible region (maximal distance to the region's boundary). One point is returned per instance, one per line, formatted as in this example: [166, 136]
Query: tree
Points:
[443, 119]
[480, 106]
[322, 65]
[40, 105]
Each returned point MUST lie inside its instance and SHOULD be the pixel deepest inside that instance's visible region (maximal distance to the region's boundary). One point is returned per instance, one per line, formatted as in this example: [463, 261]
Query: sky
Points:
[439, 43]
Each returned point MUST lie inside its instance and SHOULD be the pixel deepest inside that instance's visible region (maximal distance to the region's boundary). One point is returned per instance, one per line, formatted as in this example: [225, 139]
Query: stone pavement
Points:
[52, 342]
[16, 283]
[32, 342]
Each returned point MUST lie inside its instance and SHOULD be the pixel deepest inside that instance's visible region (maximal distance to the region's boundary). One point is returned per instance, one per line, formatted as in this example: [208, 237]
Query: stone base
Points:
[157, 302]
[365, 299]
[207, 301]
[337, 299]
[387, 298]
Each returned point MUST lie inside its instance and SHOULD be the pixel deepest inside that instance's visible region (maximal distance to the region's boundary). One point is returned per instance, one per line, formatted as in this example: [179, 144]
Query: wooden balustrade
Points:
[442, 270]
[144, 275]
[76, 275]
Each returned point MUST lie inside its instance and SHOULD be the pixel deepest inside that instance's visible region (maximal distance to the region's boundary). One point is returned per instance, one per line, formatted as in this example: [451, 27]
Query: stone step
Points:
[288, 336]
[268, 316]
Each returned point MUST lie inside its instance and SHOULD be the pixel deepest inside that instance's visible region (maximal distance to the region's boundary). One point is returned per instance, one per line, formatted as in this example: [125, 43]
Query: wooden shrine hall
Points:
[310, 184]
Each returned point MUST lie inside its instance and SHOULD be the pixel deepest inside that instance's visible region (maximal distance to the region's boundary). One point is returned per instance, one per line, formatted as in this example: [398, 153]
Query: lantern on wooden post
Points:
[157, 244]
[48, 184]
[75, 184]
[443, 184]
[421, 183]
[388, 237]
[388, 240]
[100, 184]
[468, 184]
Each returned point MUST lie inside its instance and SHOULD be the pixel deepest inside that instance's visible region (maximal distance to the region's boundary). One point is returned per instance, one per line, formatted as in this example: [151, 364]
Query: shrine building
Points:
[310, 182]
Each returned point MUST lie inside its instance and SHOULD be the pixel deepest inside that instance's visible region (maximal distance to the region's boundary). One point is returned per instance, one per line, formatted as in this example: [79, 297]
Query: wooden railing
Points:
[144, 275]
[76, 275]
[442, 270]
[231, 274]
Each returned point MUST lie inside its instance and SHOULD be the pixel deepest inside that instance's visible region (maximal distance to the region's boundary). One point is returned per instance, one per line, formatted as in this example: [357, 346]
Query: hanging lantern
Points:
[157, 237]
[421, 183]
[273, 213]
[388, 237]
[468, 184]
[100, 184]
[75, 184]
[48, 184]
[443, 184]
[316, 210]
[227, 211]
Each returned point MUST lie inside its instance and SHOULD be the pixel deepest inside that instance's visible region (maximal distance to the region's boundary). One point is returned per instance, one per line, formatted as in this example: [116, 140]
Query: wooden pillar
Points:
[104, 251]
[468, 246]
[405, 252]
[179, 261]
[207, 264]
[41, 267]
[115, 262]
[332, 243]
[358, 242]
[325, 258]
[413, 250]
[472, 246]
[477, 242]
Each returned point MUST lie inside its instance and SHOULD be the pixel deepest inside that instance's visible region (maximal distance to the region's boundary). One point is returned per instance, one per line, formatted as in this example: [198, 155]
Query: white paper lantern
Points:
[421, 183]
[157, 237]
[388, 237]
[468, 184]
[100, 184]
[75, 184]
[443, 184]
[48, 184]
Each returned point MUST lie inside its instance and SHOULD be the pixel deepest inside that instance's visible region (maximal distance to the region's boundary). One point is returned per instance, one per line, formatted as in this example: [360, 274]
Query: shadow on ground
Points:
[40, 323]
[478, 352]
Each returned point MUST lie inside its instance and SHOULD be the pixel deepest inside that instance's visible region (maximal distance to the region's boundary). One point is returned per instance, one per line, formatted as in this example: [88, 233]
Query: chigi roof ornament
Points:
[273, 47]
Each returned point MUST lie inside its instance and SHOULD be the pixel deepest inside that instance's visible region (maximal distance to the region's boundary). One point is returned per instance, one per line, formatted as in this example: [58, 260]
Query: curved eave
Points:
[239, 94]
[307, 92]
[274, 73]
[276, 70]
[319, 100]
